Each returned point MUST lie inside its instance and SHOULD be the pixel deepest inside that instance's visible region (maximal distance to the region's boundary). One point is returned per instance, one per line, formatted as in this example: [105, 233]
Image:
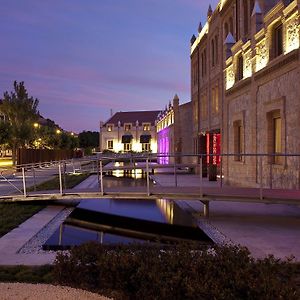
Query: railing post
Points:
[98, 171]
[73, 165]
[65, 179]
[147, 176]
[60, 179]
[201, 178]
[24, 182]
[34, 179]
[101, 178]
[175, 173]
[261, 178]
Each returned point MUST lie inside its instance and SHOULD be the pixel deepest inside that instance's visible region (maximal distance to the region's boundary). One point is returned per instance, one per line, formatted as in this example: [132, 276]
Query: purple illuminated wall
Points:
[163, 142]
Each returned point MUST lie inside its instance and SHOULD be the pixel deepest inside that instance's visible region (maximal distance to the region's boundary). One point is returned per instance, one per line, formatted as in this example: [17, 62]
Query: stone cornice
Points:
[273, 11]
[238, 86]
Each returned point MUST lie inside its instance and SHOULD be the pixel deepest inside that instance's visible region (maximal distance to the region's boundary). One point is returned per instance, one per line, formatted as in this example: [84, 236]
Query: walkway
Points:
[263, 228]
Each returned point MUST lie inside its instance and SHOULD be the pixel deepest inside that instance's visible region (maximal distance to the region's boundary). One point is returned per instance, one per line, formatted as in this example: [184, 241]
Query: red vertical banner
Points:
[207, 148]
[219, 148]
[214, 148]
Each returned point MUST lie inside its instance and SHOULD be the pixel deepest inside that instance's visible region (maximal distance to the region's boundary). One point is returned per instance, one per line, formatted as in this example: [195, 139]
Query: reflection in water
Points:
[110, 228]
[135, 173]
[167, 208]
[132, 208]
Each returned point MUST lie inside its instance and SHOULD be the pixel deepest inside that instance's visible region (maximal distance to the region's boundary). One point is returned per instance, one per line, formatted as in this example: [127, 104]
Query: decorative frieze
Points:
[230, 77]
[247, 57]
[262, 55]
[292, 34]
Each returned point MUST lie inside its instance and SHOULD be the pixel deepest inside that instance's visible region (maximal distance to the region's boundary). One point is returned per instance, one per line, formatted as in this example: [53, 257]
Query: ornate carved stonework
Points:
[292, 35]
[262, 55]
[230, 77]
[247, 64]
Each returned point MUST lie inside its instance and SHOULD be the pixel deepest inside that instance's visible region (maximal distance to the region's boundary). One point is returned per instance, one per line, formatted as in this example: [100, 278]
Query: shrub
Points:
[176, 272]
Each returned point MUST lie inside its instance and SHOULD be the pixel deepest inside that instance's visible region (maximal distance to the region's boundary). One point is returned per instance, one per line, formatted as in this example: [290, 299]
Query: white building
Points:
[129, 131]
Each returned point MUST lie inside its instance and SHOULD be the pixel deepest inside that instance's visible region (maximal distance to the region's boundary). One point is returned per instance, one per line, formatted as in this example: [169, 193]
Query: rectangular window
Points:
[277, 139]
[278, 40]
[127, 127]
[127, 147]
[146, 127]
[215, 100]
[146, 147]
[110, 144]
[240, 67]
[238, 140]
[110, 128]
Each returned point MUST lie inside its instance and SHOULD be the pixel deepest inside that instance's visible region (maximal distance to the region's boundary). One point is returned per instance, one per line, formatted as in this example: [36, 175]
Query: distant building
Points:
[245, 90]
[129, 131]
[174, 132]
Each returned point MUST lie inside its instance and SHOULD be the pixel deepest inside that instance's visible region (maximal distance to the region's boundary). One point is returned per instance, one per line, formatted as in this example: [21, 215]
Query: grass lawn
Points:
[13, 214]
[53, 184]
[42, 274]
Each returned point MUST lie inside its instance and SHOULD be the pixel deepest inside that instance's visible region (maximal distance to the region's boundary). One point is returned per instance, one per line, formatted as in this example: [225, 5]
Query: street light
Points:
[35, 125]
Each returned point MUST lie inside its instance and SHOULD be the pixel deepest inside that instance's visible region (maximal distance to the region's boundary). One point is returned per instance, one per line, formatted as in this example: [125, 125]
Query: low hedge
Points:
[177, 272]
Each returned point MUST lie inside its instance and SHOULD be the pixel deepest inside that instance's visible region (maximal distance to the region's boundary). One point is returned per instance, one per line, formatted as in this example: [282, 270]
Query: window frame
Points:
[127, 127]
[109, 126]
[112, 144]
[127, 145]
[146, 125]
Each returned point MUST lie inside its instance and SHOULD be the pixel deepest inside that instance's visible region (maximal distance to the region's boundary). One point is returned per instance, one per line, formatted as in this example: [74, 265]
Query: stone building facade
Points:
[259, 105]
[129, 131]
[174, 132]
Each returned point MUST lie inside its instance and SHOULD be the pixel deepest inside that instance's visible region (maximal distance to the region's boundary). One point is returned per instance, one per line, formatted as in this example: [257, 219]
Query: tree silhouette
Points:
[20, 112]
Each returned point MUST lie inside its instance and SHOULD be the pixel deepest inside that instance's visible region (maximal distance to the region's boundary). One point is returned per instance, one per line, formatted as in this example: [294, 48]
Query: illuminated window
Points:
[146, 147]
[275, 136]
[127, 147]
[110, 144]
[238, 140]
[215, 100]
[110, 128]
[278, 40]
[277, 139]
[127, 127]
[146, 126]
[240, 67]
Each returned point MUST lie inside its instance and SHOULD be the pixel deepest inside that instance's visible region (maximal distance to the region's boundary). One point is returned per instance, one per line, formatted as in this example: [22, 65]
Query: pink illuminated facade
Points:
[174, 133]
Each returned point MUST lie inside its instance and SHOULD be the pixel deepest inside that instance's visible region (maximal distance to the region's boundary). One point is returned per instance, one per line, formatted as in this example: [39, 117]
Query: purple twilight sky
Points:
[81, 58]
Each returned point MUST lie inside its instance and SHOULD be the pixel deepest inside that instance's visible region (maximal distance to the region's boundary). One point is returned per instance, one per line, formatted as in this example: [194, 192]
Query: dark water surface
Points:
[111, 221]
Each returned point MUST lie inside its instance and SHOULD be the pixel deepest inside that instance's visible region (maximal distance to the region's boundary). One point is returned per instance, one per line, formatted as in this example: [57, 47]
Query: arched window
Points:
[251, 7]
[216, 49]
[226, 30]
[231, 25]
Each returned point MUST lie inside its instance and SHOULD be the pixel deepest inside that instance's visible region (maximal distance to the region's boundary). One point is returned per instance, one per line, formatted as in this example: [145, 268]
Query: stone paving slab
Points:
[13, 241]
[263, 228]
